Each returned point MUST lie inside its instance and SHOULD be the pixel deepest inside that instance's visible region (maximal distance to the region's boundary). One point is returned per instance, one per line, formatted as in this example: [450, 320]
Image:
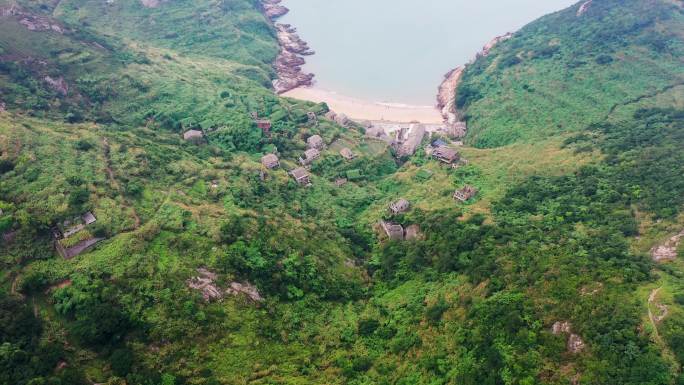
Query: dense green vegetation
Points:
[568, 70]
[560, 230]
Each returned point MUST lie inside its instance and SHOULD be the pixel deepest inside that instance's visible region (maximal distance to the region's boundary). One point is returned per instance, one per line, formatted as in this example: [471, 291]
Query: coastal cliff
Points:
[289, 62]
[446, 95]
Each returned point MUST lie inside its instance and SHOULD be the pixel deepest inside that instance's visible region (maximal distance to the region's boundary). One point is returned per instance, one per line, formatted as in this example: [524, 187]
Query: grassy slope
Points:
[325, 319]
[565, 71]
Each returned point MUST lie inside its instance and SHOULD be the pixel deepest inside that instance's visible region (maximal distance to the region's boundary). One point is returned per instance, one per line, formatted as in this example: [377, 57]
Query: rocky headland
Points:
[289, 62]
[446, 94]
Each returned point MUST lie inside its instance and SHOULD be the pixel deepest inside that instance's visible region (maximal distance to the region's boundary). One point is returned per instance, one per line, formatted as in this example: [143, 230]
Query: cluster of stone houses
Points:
[396, 231]
[69, 229]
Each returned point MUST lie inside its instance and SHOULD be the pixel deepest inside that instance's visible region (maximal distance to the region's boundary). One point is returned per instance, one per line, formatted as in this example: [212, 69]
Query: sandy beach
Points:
[359, 109]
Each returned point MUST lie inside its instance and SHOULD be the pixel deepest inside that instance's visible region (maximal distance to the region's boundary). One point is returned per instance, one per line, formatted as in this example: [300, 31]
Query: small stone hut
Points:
[309, 156]
[400, 206]
[394, 231]
[315, 141]
[347, 153]
[301, 176]
[193, 135]
[270, 161]
[446, 155]
[465, 193]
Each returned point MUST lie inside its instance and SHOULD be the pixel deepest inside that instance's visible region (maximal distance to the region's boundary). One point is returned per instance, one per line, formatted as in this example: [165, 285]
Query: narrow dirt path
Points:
[654, 320]
[13, 289]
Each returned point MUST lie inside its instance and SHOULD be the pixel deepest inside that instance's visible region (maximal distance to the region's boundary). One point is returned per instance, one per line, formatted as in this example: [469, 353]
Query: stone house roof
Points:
[400, 206]
[394, 231]
[439, 143]
[347, 153]
[88, 218]
[300, 175]
[315, 141]
[270, 161]
[309, 156]
[446, 154]
[193, 134]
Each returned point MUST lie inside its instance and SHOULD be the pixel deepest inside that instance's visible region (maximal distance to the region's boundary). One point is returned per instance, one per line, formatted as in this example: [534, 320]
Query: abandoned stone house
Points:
[412, 232]
[409, 139]
[193, 135]
[446, 155]
[394, 231]
[309, 156]
[69, 229]
[400, 206]
[315, 141]
[347, 153]
[264, 125]
[465, 193]
[270, 161]
[301, 176]
[341, 119]
[88, 218]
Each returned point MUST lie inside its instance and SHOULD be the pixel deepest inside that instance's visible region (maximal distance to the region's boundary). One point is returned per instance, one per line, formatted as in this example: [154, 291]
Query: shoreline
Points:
[365, 110]
[293, 82]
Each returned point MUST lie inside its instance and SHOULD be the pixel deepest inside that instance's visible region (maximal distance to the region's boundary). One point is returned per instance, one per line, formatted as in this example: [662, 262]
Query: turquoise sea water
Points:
[398, 50]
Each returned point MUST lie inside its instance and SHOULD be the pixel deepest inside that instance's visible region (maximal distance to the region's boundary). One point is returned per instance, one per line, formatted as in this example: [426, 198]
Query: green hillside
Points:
[212, 269]
[570, 69]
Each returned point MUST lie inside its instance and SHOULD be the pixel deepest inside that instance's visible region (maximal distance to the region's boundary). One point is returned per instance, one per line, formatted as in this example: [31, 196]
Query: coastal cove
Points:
[374, 61]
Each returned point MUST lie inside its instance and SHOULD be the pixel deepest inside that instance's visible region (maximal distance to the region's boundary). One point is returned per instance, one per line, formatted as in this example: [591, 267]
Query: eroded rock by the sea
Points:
[289, 62]
[273, 9]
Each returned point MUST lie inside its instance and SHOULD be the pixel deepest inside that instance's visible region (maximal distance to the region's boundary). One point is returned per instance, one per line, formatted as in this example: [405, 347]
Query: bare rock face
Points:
[489, 46]
[446, 96]
[59, 84]
[561, 327]
[288, 64]
[32, 22]
[273, 9]
[205, 283]
[583, 8]
[668, 250]
[575, 344]
[251, 291]
[3, 107]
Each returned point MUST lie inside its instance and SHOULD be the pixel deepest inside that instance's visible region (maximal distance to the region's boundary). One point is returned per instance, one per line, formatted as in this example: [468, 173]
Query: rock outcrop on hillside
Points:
[668, 250]
[31, 21]
[574, 344]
